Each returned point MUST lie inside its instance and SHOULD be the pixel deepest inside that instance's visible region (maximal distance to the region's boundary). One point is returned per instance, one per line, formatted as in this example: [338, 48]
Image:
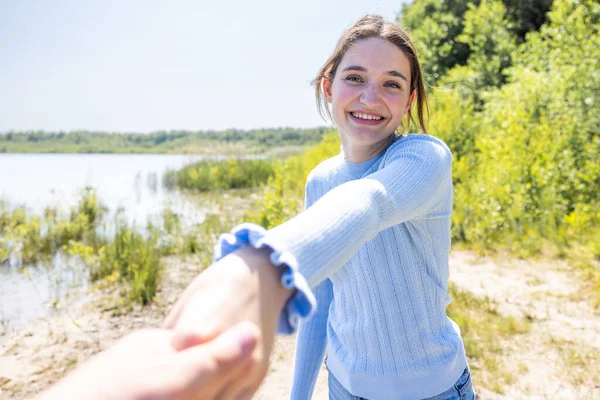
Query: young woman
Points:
[380, 235]
[372, 244]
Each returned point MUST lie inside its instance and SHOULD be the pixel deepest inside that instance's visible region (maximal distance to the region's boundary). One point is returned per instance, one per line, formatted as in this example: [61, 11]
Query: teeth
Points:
[365, 116]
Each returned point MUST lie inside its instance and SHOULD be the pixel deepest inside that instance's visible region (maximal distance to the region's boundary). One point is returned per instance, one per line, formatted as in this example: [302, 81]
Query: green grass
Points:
[129, 257]
[578, 361]
[31, 238]
[132, 258]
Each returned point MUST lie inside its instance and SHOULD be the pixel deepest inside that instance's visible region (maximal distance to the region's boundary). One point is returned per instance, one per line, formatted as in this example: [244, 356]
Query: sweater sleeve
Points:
[414, 183]
[416, 178]
[310, 344]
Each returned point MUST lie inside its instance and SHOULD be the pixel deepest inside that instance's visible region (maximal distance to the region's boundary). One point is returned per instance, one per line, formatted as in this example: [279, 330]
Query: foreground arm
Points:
[144, 365]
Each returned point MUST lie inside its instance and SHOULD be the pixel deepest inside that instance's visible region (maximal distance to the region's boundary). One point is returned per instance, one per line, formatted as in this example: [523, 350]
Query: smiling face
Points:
[370, 94]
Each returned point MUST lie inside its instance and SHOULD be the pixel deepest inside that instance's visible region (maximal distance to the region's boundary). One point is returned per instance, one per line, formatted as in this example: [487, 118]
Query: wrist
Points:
[269, 275]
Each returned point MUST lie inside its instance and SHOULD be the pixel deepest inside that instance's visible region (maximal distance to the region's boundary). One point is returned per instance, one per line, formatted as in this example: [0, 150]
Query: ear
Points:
[411, 100]
[326, 86]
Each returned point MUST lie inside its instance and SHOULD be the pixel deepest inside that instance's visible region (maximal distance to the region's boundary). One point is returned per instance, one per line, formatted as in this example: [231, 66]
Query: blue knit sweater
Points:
[373, 245]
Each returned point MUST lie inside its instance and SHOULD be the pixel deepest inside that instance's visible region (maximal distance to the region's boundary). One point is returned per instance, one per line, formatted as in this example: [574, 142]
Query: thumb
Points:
[223, 352]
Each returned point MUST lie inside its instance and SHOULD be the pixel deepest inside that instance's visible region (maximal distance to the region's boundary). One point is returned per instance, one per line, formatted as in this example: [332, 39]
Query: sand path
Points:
[558, 359]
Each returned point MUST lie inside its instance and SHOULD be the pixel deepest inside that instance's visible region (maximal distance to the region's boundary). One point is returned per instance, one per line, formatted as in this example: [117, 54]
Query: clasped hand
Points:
[215, 343]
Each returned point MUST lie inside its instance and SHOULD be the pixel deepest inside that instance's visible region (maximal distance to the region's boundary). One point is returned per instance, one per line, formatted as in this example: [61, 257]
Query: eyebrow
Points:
[363, 69]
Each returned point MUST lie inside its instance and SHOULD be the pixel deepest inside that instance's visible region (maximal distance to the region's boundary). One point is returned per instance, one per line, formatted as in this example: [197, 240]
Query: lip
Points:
[361, 121]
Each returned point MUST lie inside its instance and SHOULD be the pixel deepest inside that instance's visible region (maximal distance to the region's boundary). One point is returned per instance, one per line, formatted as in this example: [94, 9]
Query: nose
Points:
[370, 96]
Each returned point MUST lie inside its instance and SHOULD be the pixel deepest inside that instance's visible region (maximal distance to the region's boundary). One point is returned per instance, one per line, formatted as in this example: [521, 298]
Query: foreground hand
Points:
[242, 286]
[145, 365]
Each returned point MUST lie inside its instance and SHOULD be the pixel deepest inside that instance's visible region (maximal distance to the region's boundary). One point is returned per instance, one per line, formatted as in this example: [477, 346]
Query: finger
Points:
[177, 309]
[189, 338]
[252, 379]
[192, 328]
[246, 394]
[245, 388]
[196, 323]
[225, 351]
[228, 378]
[181, 304]
[212, 366]
[240, 389]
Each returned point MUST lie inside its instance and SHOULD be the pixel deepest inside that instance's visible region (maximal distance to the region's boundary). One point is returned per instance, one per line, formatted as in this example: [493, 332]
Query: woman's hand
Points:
[242, 286]
[145, 365]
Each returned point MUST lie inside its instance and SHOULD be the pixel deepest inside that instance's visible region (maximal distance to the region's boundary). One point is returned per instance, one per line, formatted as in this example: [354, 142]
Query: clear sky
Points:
[146, 65]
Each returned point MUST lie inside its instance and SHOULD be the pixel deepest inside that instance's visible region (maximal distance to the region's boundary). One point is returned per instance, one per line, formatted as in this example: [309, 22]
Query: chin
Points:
[368, 137]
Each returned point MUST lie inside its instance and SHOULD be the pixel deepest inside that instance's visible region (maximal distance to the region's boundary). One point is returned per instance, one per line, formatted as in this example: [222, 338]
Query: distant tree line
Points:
[175, 141]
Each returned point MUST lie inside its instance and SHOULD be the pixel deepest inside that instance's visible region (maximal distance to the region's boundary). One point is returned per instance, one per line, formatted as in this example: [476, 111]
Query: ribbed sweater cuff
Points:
[303, 303]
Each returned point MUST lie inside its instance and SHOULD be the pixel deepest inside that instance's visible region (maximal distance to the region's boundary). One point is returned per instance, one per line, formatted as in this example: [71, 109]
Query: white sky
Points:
[146, 65]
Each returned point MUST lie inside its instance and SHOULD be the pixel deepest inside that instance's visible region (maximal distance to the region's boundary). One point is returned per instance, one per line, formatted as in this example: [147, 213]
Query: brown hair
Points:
[374, 26]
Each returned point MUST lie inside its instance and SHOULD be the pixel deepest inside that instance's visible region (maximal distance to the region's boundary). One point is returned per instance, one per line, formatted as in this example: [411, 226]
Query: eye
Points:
[392, 85]
[353, 78]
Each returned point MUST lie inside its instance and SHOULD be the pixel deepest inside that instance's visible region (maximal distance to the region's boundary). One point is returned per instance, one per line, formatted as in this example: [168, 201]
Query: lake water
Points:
[129, 183]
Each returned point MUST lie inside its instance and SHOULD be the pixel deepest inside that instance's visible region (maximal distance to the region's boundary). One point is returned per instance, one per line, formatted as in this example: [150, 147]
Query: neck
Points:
[357, 153]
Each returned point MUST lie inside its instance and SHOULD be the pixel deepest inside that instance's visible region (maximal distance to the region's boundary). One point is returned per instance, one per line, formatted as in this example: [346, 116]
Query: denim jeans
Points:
[462, 390]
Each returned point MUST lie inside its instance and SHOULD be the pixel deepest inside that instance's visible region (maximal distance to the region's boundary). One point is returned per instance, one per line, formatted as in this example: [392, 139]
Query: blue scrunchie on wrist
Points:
[303, 303]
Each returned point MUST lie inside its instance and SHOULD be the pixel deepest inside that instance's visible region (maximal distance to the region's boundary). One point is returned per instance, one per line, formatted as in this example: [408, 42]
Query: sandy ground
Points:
[558, 359]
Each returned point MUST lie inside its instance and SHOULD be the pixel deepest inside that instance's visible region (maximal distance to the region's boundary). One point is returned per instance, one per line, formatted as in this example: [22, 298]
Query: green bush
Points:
[520, 115]
[228, 174]
[534, 158]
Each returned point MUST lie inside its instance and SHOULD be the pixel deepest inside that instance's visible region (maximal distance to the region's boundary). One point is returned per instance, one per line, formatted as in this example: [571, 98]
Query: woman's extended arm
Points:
[415, 183]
